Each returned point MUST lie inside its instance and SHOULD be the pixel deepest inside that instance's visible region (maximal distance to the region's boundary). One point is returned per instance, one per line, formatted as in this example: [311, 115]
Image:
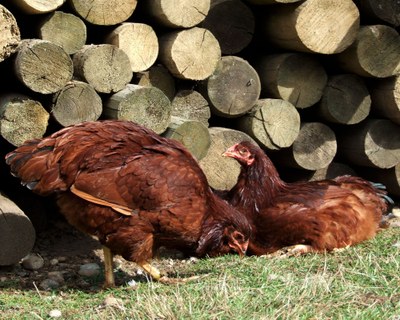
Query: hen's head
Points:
[220, 238]
[245, 152]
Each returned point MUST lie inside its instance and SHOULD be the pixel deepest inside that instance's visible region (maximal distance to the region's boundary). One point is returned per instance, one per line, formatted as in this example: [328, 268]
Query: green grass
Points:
[362, 282]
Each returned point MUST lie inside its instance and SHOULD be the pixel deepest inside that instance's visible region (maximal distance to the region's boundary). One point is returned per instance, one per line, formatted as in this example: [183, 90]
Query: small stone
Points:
[111, 301]
[132, 284]
[89, 270]
[56, 276]
[33, 262]
[49, 284]
[62, 259]
[53, 262]
[55, 313]
[396, 212]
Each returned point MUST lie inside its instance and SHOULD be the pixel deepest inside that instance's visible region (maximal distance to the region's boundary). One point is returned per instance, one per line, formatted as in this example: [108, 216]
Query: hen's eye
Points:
[239, 237]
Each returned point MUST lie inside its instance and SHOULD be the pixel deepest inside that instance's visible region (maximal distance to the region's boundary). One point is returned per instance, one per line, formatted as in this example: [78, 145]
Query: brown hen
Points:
[304, 216]
[132, 189]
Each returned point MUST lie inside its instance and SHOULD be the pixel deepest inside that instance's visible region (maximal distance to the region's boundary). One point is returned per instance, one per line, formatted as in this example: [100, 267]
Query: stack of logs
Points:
[316, 83]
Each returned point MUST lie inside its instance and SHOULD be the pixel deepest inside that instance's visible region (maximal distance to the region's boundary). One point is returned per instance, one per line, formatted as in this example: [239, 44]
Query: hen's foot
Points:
[291, 251]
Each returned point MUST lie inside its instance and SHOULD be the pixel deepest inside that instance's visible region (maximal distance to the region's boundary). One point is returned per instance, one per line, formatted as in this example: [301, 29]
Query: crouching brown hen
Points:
[302, 216]
[132, 189]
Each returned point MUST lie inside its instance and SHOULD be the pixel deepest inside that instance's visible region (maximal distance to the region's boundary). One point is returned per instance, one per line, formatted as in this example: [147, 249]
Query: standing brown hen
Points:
[305, 216]
[134, 190]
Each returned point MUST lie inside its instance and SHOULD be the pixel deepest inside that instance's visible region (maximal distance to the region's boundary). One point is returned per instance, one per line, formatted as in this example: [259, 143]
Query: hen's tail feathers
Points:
[29, 163]
[383, 195]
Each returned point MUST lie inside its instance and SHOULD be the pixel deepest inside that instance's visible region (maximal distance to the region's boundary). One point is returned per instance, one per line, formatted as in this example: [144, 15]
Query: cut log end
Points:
[17, 235]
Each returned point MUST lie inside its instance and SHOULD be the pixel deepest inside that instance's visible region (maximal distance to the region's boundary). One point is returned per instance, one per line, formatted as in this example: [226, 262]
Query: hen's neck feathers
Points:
[257, 184]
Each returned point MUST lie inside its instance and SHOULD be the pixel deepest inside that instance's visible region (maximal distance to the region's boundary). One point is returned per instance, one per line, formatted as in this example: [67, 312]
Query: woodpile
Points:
[315, 82]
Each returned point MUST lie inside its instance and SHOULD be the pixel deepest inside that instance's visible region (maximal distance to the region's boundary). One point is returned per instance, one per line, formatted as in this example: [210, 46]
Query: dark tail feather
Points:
[383, 195]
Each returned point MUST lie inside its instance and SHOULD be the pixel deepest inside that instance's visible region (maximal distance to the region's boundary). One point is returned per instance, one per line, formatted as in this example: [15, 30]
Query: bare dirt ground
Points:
[64, 250]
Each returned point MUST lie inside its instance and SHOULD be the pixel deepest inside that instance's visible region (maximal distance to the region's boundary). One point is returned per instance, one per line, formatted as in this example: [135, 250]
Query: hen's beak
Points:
[240, 248]
[231, 152]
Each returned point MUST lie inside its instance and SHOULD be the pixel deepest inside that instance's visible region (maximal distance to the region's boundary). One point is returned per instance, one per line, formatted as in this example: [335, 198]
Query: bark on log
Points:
[314, 148]
[233, 88]
[385, 96]
[386, 11]
[190, 54]
[64, 29]
[222, 172]
[232, 23]
[148, 106]
[374, 53]
[17, 234]
[193, 134]
[372, 143]
[42, 66]
[180, 13]
[138, 41]
[21, 119]
[273, 123]
[294, 77]
[75, 103]
[106, 67]
[157, 76]
[293, 26]
[104, 12]
[38, 6]
[10, 35]
[191, 105]
[345, 100]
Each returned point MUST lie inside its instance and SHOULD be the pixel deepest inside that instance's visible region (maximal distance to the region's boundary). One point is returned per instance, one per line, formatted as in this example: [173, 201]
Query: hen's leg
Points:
[108, 268]
[152, 271]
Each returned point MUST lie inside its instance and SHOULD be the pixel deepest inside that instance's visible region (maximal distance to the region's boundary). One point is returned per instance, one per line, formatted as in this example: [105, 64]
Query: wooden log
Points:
[314, 148]
[64, 29]
[190, 54]
[10, 35]
[385, 96]
[104, 12]
[374, 53]
[345, 100]
[191, 105]
[76, 102]
[17, 234]
[294, 77]
[372, 143]
[157, 76]
[179, 13]
[273, 123]
[21, 118]
[193, 134]
[232, 23]
[233, 88]
[266, 2]
[389, 177]
[106, 67]
[222, 172]
[42, 66]
[148, 106]
[138, 41]
[333, 170]
[385, 12]
[38, 6]
[293, 26]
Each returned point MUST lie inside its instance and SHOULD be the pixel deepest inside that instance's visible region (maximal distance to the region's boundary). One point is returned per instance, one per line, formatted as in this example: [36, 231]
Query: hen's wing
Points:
[328, 218]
